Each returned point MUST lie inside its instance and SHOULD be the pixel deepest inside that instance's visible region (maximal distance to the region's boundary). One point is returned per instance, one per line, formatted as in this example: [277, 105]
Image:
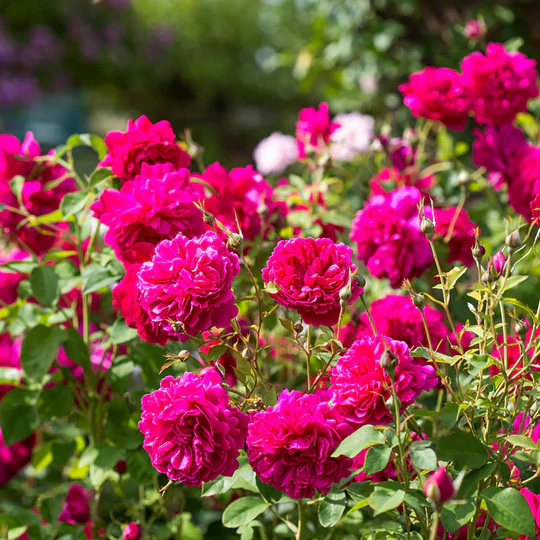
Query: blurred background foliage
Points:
[231, 70]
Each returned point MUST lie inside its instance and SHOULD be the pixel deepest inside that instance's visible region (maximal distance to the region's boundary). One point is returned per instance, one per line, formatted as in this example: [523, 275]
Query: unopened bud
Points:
[389, 362]
[513, 240]
[418, 300]
[478, 251]
[487, 278]
[208, 218]
[497, 264]
[521, 328]
[439, 487]
[390, 403]
[298, 328]
[345, 295]
[235, 241]
[427, 226]
[361, 280]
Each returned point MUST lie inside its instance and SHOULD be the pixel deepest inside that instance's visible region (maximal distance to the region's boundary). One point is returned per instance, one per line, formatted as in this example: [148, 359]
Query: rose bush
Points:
[352, 350]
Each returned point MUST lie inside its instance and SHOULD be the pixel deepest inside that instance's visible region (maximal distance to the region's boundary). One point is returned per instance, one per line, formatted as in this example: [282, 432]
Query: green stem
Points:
[301, 521]
[308, 357]
[368, 314]
[434, 526]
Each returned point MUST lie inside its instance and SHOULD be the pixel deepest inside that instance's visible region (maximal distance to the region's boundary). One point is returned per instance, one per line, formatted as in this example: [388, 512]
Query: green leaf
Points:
[423, 456]
[55, 216]
[463, 449]
[77, 349]
[39, 349]
[383, 499]
[269, 493]
[243, 511]
[45, 285]
[121, 332]
[220, 485]
[509, 509]
[18, 415]
[55, 402]
[449, 415]
[73, 203]
[522, 442]
[362, 438]
[454, 275]
[331, 509]
[470, 483]
[479, 362]
[16, 186]
[377, 459]
[455, 515]
[99, 176]
[514, 281]
[96, 278]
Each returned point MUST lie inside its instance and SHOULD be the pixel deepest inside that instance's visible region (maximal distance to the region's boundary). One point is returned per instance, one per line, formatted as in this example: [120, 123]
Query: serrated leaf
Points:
[331, 509]
[463, 450]
[55, 402]
[383, 500]
[457, 514]
[362, 438]
[39, 349]
[243, 511]
[423, 456]
[509, 509]
[449, 415]
[73, 203]
[18, 415]
[45, 285]
[121, 332]
[377, 458]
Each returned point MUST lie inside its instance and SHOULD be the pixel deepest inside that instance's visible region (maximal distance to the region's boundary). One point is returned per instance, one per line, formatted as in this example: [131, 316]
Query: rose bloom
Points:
[525, 180]
[534, 503]
[126, 300]
[398, 318]
[191, 432]
[361, 386]
[462, 238]
[16, 457]
[275, 153]
[402, 155]
[440, 94]
[156, 206]
[142, 142]
[388, 238]
[241, 195]
[43, 188]
[310, 273]
[313, 129]
[353, 136]
[9, 281]
[494, 148]
[290, 445]
[76, 509]
[10, 351]
[501, 82]
[186, 287]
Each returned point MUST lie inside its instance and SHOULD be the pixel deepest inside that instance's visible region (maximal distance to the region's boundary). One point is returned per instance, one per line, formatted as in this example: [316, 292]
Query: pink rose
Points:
[439, 94]
[439, 487]
[142, 142]
[525, 180]
[501, 82]
[313, 129]
[76, 508]
[310, 275]
[290, 445]
[191, 432]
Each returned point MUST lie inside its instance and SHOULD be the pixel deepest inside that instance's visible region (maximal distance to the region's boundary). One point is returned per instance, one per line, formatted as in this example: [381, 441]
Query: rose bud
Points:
[132, 531]
[439, 487]
[497, 264]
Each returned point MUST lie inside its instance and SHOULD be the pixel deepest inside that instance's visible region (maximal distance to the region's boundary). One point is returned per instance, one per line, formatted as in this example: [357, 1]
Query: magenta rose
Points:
[241, 197]
[398, 318]
[142, 142]
[44, 186]
[9, 281]
[439, 487]
[494, 148]
[126, 300]
[525, 180]
[290, 445]
[391, 178]
[361, 386]
[502, 83]
[388, 238]
[186, 287]
[156, 206]
[457, 230]
[310, 274]
[533, 501]
[191, 432]
[132, 531]
[76, 509]
[535, 208]
[439, 94]
[313, 129]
